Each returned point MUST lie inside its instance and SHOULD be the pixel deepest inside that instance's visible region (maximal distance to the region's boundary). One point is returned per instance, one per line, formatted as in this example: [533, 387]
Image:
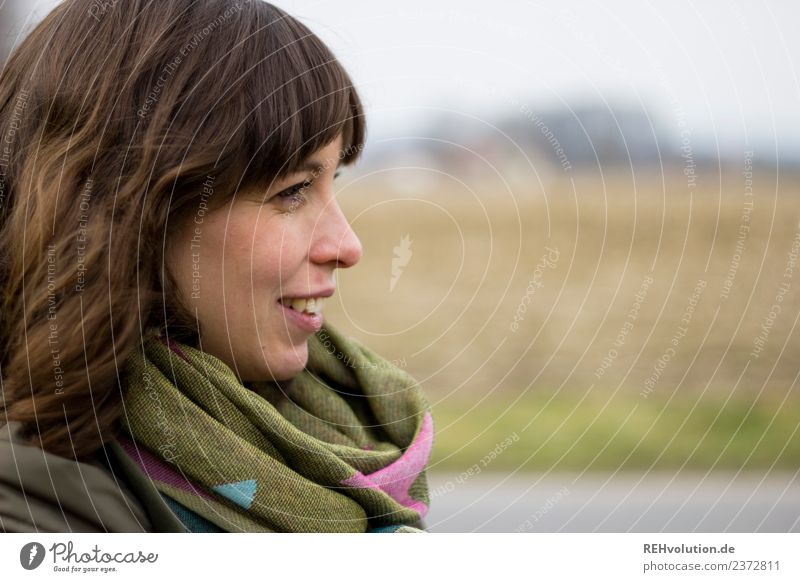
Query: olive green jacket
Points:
[45, 493]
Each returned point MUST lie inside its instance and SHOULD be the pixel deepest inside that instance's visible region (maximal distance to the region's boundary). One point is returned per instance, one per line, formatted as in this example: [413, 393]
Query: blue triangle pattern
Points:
[240, 492]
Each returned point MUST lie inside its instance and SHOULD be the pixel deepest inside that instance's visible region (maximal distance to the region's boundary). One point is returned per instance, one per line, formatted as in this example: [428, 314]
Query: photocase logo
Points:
[31, 555]
[402, 255]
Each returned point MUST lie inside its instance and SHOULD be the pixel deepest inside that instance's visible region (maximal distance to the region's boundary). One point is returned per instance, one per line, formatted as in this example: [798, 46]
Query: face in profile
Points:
[257, 271]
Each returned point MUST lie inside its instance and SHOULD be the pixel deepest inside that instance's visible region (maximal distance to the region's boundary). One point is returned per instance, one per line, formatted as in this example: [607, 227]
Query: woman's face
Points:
[242, 267]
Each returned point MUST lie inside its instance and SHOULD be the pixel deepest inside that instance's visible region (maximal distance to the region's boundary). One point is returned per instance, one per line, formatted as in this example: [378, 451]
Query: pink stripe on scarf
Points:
[173, 346]
[159, 469]
[396, 479]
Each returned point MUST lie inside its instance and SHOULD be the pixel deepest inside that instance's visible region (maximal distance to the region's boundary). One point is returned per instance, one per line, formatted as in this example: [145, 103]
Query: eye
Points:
[293, 191]
[294, 195]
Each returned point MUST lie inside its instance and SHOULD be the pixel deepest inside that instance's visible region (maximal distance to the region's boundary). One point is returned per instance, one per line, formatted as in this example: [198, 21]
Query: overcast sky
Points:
[727, 68]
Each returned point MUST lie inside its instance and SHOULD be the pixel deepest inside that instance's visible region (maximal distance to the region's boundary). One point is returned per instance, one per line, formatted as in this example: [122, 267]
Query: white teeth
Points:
[311, 306]
[315, 304]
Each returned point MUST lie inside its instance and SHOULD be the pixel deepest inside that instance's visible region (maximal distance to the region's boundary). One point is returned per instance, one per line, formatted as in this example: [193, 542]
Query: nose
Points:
[335, 241]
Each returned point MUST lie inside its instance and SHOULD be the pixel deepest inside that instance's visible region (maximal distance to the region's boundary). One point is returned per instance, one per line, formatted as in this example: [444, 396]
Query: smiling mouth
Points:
[312, 306]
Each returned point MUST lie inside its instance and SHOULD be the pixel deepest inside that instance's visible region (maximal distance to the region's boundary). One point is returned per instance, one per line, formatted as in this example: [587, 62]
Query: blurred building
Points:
[546, 140]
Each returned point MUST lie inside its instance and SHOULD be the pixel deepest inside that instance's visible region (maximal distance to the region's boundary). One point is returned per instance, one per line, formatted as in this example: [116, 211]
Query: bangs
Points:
[298, 99]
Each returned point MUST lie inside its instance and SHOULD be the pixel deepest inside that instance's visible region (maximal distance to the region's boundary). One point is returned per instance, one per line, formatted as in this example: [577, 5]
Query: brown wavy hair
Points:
[117, 119]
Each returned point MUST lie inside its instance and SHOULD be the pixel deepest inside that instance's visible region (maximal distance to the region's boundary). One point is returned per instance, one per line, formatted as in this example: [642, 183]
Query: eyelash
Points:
[292, 193]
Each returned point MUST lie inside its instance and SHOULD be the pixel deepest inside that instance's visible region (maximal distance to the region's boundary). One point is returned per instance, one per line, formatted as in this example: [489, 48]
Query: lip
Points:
[305, 321]
[322, 293]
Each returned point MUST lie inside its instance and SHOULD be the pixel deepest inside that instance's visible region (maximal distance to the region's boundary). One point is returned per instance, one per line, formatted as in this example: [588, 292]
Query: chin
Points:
[290, 365]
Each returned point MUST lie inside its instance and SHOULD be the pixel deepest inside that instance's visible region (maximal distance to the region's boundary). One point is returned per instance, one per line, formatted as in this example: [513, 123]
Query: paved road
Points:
[657, 502]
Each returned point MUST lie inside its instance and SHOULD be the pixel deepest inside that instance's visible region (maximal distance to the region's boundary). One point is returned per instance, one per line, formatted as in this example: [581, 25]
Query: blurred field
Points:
[475, 249]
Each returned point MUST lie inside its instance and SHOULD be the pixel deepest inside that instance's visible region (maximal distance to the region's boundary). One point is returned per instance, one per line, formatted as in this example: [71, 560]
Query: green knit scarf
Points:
[343, 449]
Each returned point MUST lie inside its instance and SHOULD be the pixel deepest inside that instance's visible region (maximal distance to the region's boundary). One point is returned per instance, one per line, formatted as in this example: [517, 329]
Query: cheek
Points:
[277, 255]
[245, 257]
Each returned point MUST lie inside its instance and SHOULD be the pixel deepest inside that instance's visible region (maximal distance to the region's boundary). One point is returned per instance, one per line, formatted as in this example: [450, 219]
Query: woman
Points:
[169, 236]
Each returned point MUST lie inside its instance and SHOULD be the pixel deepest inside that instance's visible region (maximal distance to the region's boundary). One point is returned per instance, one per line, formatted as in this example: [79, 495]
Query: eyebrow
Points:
[313, 166]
